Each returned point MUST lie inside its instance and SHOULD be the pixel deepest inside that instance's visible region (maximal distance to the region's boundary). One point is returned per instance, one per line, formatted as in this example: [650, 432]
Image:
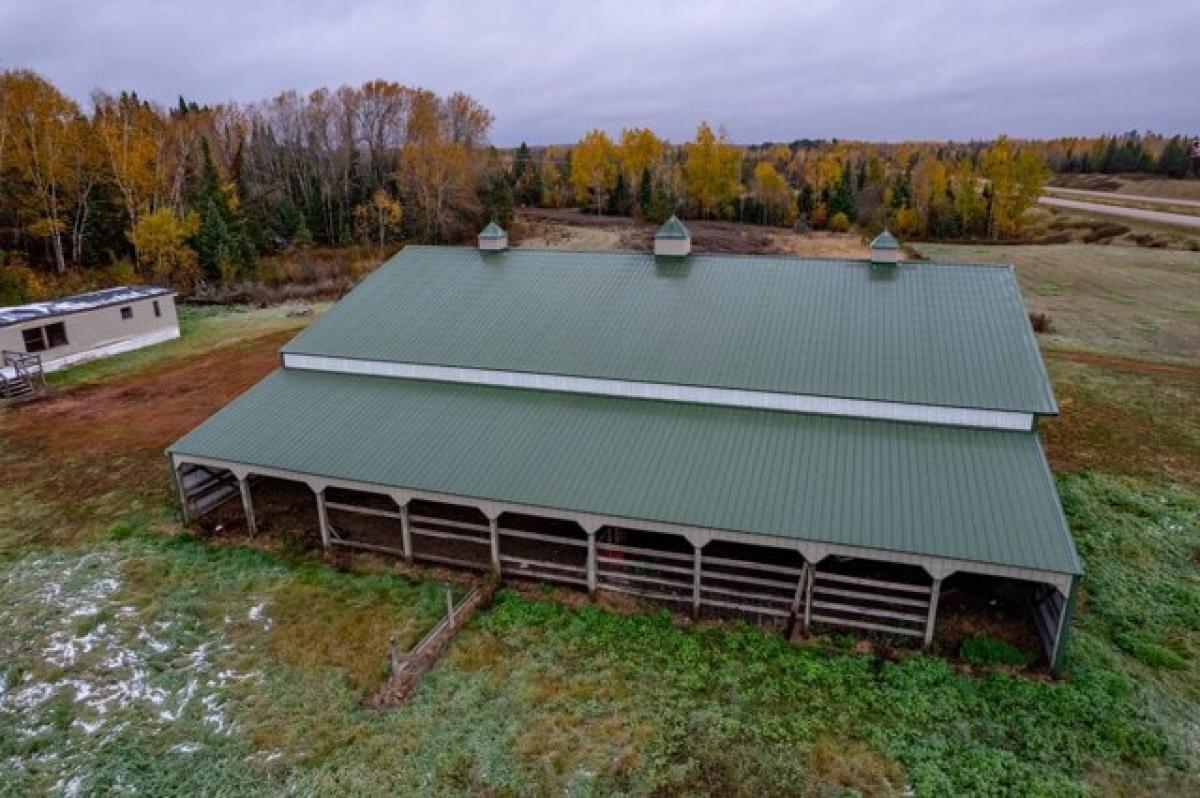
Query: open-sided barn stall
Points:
[818, 441]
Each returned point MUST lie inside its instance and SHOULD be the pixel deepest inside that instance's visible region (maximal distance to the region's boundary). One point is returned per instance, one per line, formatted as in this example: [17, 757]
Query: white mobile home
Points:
[91, 325]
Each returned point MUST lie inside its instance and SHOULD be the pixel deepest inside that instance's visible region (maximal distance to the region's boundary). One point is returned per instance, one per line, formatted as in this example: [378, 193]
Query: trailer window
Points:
[157, 310]
[39, 339]
[56, 335]
[34, 340]
[126, 313]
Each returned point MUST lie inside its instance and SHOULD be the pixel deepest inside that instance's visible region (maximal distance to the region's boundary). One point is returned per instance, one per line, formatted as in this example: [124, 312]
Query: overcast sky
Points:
[550, 71]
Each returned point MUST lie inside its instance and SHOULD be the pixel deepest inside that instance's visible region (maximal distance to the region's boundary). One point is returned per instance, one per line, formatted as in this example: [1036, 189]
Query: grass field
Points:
[1141, 201]
[1142, 185]
[1127, 300]
[136, 658]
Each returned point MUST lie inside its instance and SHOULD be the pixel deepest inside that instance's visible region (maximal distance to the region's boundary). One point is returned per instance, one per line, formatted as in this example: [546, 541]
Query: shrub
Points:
[839, 222]
[1040, 322]
[18, 282]
[982, 649]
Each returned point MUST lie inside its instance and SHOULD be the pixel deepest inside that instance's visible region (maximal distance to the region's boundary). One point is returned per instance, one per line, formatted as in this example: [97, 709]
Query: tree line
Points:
[195, 193]
[1126, 153]
[939, 190]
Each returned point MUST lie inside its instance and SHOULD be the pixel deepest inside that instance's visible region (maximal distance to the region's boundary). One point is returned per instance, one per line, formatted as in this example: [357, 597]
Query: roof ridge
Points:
[518, 249]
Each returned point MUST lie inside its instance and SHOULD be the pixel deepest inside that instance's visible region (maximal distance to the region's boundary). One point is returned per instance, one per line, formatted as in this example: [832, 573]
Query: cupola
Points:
[885, 249]
[493, 238]
[672, 239]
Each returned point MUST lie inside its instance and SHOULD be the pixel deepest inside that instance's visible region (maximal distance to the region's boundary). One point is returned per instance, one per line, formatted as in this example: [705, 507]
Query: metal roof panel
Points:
[927, 333]
[980, 495]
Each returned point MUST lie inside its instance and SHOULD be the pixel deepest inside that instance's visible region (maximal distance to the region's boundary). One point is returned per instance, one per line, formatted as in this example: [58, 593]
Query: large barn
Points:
[819, 441]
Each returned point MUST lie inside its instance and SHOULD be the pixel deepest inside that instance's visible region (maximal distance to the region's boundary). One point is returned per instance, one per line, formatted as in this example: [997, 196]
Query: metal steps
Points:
[21, 376]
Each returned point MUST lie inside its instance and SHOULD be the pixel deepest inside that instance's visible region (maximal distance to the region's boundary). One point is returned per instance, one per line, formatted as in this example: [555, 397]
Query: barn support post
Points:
[696, 565]
[405, 533]
[591, 559]
[494, 531]
[797, 598]
[247, 502]
[322, 517]
[808, 593]
[935, 593]
[177, 485]
[1064, 628]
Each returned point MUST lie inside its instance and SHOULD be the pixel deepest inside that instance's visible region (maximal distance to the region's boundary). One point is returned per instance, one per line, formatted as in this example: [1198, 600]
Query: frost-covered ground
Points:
[85, 670]
[167, 666]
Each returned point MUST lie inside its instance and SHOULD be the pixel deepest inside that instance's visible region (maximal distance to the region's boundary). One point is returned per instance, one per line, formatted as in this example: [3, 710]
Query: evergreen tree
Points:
[807, 200]
[302, 236]
[842, 198]
[901, 191]
[526, 178]
[223, 242]
[496, 197]
[620, 199]
[661, 204]
[1174, 160]
[645, 193]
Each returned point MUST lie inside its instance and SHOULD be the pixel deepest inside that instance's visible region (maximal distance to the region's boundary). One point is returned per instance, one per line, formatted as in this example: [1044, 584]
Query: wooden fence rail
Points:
[716, 582]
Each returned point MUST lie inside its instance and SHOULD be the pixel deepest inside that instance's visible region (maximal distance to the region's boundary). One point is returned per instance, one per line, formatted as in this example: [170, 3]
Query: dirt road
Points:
[1161, 217]
[1112, 195]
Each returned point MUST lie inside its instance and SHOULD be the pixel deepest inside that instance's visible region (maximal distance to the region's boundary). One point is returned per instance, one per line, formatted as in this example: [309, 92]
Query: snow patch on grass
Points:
[78, 665]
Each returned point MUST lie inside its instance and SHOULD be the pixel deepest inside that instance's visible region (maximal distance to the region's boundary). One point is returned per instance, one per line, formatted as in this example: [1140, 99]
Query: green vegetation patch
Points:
[1141, 546]
[639, 703]
[202, 328]
[983, 649]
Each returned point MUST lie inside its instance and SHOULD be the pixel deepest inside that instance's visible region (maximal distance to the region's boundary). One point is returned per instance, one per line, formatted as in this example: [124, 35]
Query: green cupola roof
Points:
[493, 230]
[885, 240]
[673, 228]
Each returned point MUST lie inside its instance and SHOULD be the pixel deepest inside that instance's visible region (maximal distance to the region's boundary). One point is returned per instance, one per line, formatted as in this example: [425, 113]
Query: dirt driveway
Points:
[102, 439]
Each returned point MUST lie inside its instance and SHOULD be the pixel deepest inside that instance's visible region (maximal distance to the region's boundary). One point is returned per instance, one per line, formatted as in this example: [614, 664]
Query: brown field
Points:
[570, 229]
[1142, 185]
[1043, 224]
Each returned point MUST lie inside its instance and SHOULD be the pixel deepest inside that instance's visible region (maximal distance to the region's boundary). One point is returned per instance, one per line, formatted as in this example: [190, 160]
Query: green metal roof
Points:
[885, 240]
[673, 228]
[492, 230]
[937, 334]
[979, 495]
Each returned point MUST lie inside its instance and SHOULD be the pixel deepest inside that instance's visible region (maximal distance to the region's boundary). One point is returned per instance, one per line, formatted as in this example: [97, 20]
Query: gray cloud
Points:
[552, 70]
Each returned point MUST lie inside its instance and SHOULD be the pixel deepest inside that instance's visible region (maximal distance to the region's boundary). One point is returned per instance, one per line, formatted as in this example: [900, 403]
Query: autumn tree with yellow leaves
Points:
[190, 193]
[594, 168]
[712, 171]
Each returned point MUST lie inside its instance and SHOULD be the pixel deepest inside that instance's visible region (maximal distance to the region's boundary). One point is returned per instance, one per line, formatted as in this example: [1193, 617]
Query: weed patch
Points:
[988, 650]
